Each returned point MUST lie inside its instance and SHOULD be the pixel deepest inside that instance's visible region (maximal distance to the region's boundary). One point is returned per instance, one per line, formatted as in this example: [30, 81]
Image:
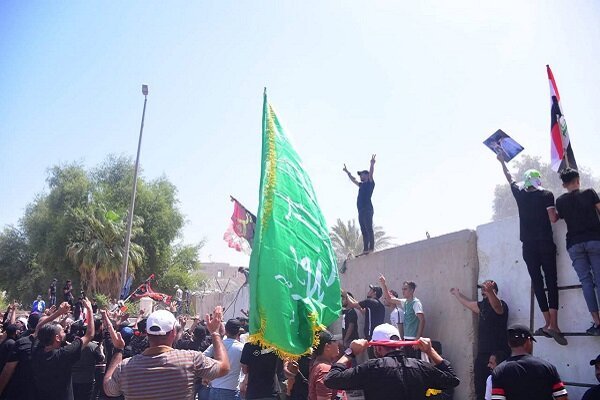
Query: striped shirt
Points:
[161, 373]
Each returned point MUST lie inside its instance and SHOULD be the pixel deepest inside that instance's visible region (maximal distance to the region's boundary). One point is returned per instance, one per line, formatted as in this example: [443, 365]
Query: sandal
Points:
[557, 336]
[542, 332]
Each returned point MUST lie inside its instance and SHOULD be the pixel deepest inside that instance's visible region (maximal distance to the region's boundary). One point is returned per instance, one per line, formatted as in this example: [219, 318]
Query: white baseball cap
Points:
[385, 332]
[160, 323]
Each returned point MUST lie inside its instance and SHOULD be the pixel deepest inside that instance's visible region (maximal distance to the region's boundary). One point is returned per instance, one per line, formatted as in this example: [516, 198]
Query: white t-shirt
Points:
[397, 316]
[488, 388]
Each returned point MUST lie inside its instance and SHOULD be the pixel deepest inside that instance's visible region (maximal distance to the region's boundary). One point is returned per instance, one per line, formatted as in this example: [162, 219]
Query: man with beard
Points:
[493, 315]
[52, 360]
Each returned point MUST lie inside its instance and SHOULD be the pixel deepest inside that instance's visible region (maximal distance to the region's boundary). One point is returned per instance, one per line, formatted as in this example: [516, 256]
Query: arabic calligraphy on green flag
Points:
[294, 283]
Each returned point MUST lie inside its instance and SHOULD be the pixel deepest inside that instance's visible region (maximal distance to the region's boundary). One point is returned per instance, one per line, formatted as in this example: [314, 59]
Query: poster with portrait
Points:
[500, 142]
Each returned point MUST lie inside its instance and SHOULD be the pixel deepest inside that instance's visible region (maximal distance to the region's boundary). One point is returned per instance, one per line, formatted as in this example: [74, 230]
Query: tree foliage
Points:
[504, 204]
[347, 239]
[71, 215]
[98, 249]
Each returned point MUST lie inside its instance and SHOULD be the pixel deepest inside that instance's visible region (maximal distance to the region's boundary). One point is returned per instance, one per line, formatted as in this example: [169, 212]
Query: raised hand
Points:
[213, 324]
[455, 291]
[345, 169]
[373, 159]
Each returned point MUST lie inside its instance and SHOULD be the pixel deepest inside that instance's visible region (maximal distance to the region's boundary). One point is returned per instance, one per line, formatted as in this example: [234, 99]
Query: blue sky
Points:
[420, 85]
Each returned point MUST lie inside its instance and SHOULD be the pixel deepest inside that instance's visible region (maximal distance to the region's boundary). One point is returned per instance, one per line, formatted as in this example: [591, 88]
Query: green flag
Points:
[294, 283]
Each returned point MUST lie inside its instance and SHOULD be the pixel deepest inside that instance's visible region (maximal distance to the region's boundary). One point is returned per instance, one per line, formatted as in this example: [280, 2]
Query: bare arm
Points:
[386, 293]
[493, 298]
[372, 168]
[552, 214]
[117, 357]
[7, 373]
[63, 309]
[219, 352]
[353, 179]
[421, 318]
[505, 170]
[349, 331]
[90, 331]
[470, 304]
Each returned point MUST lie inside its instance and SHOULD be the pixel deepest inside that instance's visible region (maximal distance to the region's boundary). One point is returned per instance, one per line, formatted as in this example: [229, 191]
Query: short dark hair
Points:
[568, 175]
[325, 337]
[33, 320]
[47, 333]
[394, 293]
[411, 284]
[500, 356]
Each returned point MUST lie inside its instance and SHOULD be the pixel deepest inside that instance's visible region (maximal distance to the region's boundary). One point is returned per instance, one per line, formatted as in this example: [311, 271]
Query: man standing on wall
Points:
[536, 211]
[52, 293]
[491, 337]
[580, 211]
[364, 205]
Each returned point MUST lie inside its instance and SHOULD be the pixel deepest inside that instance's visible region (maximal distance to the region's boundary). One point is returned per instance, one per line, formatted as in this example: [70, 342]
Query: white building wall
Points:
[499, 254]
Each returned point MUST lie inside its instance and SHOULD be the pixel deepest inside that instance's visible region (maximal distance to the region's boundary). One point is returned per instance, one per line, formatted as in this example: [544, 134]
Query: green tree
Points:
[184, 270]
[504, 204]
[98, 248]
[156, 203]
[347, 239]
[48, 225]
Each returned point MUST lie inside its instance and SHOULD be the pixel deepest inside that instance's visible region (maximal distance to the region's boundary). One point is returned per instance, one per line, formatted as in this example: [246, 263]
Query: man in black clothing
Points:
[391, 375]
[523, 376]
[364, 205]
[15, 379]
[8, 344]
[579, 208]
[68, 292]
[52, 362]
[536, 212]
[493, 314]
[372, 307]
[349, 322]
[52, 293]
[593, 393]
[260, 366]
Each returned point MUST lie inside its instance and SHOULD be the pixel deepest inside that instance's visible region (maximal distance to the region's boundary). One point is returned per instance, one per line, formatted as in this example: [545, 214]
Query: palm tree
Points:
[347, 239]
[98, 249]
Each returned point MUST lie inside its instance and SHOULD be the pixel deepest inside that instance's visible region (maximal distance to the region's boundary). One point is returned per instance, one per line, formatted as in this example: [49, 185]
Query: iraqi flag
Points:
[561, 152]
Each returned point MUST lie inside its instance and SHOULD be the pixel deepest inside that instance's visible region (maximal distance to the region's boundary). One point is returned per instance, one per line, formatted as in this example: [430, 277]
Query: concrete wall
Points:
[499, 253]
[435, 265]
[232, 303]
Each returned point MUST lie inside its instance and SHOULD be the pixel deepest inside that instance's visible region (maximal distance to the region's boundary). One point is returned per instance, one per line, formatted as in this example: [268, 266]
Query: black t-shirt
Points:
[67, 295]
[592, 394]
[492, 328]
[533, 213]
[526, 377]
[53, 289]
[365, 191]
[300, 388]
[374, 315]
[350, 317]
[6, 348]
[20, 386]
[52, 371]
[578, 209]
[262, 366]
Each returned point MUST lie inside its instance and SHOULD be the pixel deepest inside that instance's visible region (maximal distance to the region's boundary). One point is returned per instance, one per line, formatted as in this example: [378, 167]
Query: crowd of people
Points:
[73, 350]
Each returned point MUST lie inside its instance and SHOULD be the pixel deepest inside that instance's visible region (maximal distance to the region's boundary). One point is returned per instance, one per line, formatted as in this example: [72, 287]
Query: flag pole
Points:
[133, 192]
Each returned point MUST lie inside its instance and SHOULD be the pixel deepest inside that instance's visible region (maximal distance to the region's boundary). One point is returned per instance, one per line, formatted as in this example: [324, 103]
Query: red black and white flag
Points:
[241, 226]
[561, 151]
[144, 290]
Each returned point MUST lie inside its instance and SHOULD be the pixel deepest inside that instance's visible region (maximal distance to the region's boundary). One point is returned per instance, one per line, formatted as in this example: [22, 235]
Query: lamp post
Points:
[132, 204]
